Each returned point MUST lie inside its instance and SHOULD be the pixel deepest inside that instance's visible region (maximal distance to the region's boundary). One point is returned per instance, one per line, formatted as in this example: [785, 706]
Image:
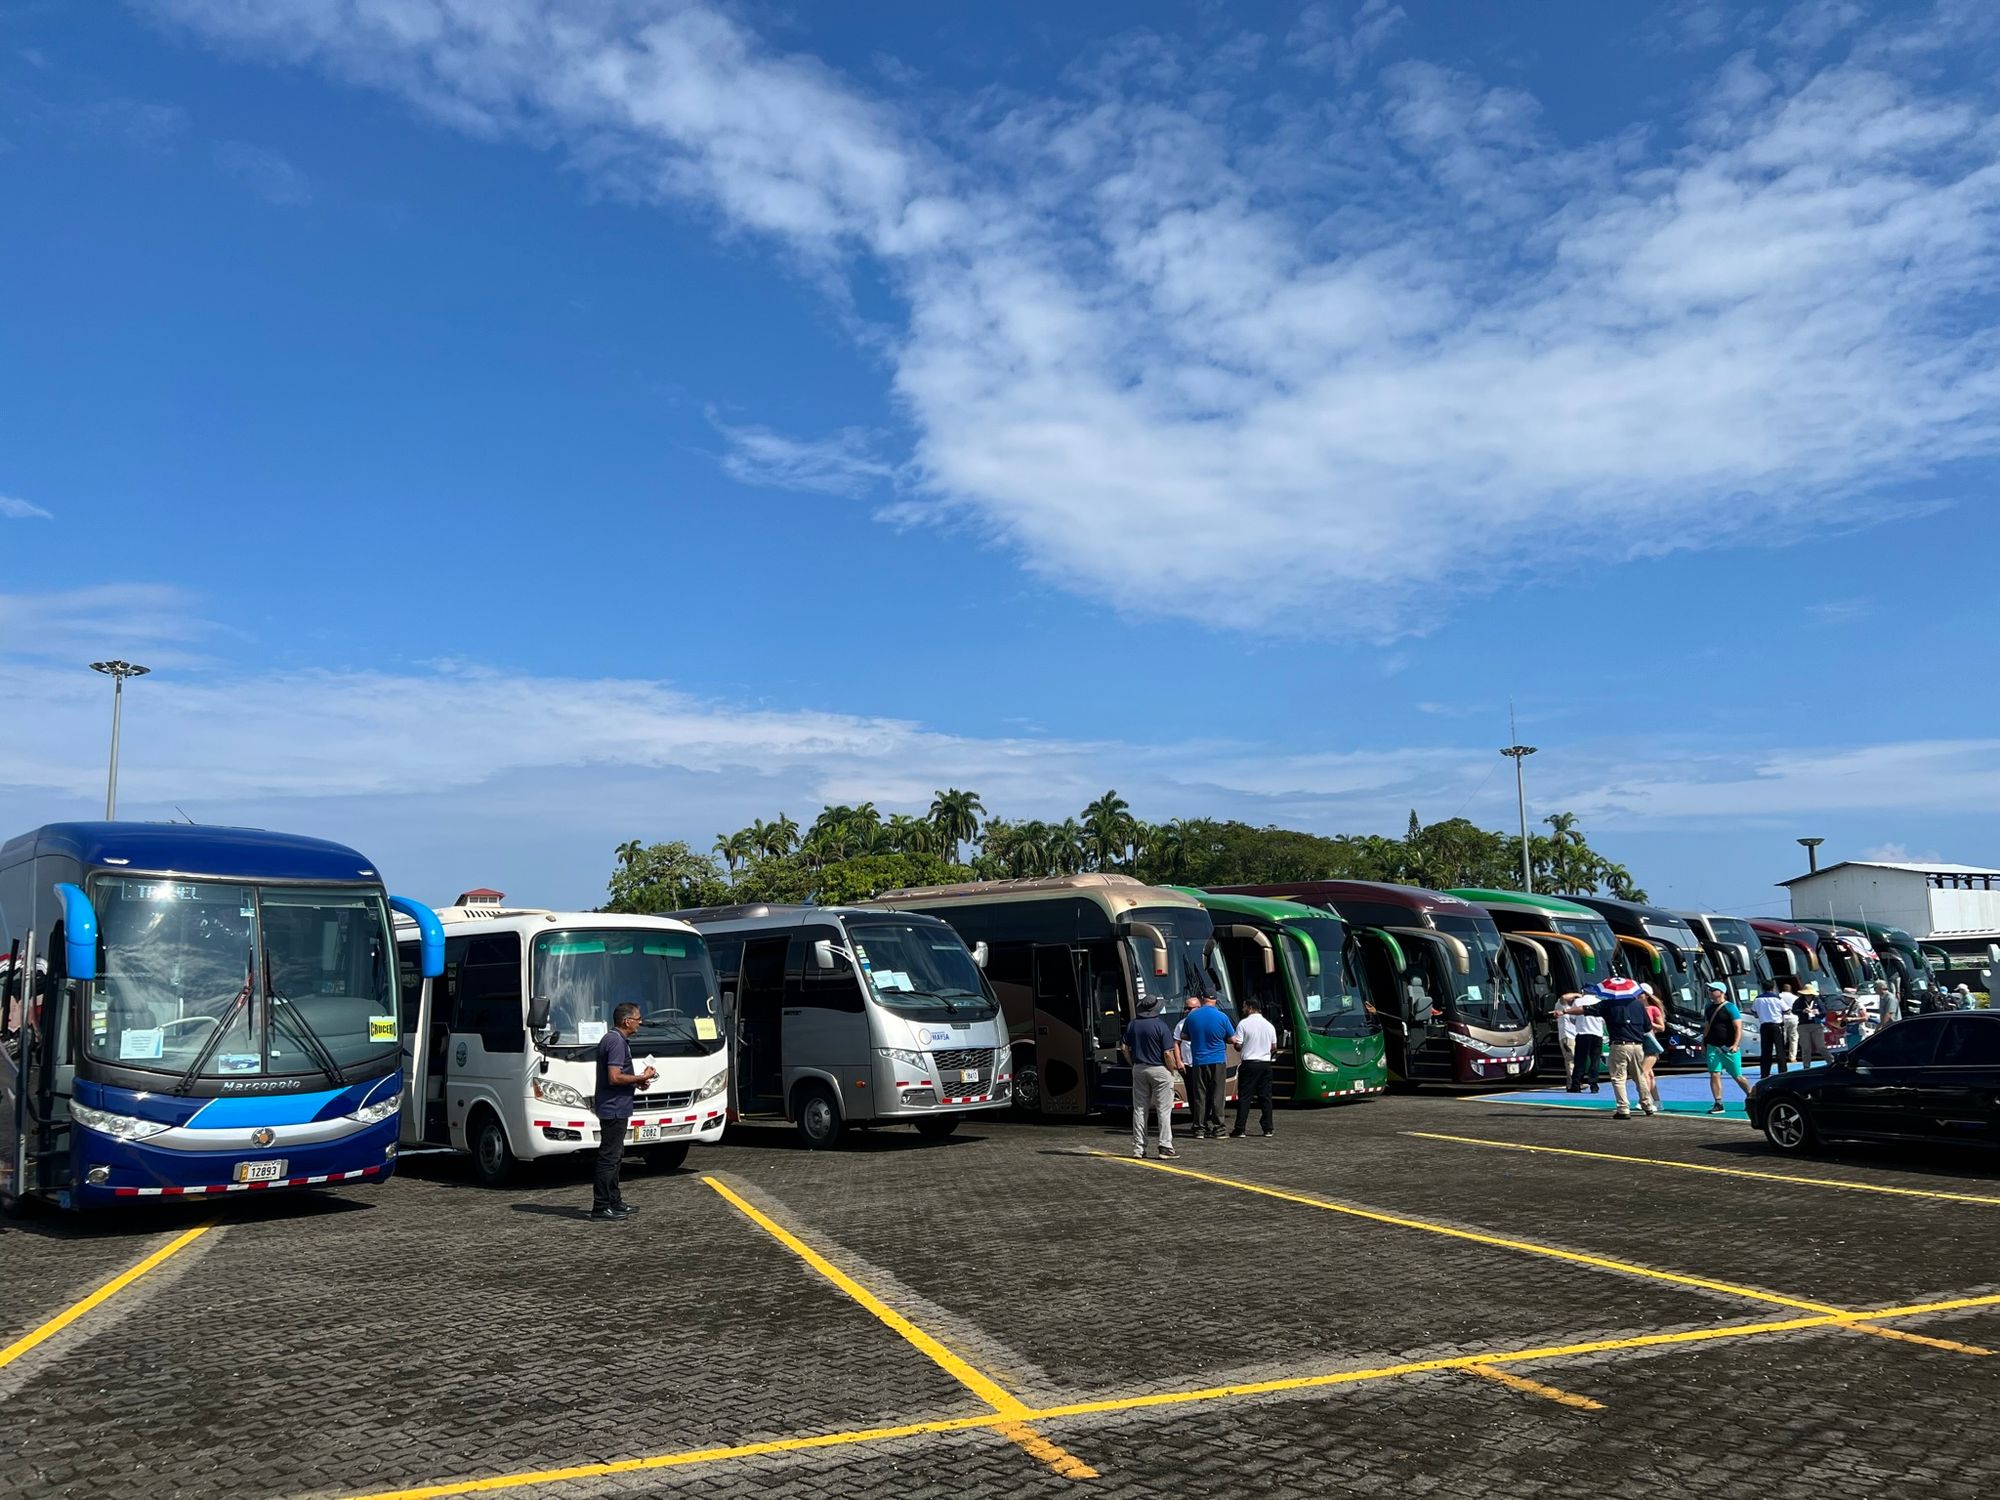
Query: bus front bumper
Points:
[105, 1170]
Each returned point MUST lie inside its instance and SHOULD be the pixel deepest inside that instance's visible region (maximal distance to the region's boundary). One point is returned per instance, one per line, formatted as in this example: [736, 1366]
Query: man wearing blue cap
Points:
[1623, 1007]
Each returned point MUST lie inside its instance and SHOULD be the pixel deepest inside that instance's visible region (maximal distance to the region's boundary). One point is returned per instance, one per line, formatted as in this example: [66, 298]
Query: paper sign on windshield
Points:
[704, 1028]
[590, 1032]
[140, 1044]
[381, 1028]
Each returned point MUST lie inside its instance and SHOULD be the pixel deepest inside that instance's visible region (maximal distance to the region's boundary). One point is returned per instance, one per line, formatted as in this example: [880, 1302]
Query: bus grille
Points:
[949, 1065]
[644, 1103]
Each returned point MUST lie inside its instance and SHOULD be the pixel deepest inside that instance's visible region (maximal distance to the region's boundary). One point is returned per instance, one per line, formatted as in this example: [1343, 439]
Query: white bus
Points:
[840, 1017]
[499, 1052]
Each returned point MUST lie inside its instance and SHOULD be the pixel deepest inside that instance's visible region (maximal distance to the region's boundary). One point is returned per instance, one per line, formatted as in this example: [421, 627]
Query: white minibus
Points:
[499, 1052]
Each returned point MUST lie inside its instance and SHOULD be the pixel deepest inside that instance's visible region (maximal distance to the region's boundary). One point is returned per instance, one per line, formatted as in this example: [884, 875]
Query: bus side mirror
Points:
[980, 953]
[538, 1013]
[79, 933]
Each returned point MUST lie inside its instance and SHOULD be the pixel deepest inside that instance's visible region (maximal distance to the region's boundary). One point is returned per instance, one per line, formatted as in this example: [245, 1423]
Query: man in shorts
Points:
[1722, 1032]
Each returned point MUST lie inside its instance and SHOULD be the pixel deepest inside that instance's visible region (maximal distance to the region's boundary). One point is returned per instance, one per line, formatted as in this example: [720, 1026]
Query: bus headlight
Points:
[381, 1109]
[919, 1061]
[560, 1093]
[714, 1086]
[1317, 1064]
[118, 1127]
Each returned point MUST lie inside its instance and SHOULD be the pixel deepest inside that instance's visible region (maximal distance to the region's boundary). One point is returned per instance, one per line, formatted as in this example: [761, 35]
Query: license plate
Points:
[968, 1075]
[648, 1133]
[260, 1171]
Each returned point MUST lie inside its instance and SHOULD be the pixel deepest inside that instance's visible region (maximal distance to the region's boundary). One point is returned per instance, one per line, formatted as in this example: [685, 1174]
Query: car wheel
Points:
[937, 1127]
[1787, 1126]
[665, 1158]
[492, 1158]
[818, 1116]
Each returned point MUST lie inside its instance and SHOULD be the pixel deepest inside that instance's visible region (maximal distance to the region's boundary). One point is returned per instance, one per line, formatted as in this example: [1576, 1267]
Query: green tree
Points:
[663, 878]
[735, 848]
[955, 815]
[1107, 830]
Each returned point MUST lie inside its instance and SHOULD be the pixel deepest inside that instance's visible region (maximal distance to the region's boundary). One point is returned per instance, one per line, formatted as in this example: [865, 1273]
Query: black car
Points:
[1929, 1078]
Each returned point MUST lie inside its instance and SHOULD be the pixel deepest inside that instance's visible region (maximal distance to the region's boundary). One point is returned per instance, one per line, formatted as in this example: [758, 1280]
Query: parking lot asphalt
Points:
[1431, 1292]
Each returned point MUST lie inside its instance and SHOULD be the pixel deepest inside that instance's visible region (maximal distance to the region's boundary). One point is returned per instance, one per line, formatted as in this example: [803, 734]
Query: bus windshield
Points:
[1602, 943]
[210, 979]
[586, 973]
[1734, 932]
[1193, 964]
[920, 969]
[1331, 1000]
[1490, 995]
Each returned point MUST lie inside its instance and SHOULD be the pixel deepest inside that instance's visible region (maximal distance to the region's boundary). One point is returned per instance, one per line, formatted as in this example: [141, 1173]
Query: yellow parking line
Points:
[1535, 1388]
[1003, 1401]
[110, 1289]
[1689, 1166]
[1950, 1346]
[998, 1421]
[1552, 1252]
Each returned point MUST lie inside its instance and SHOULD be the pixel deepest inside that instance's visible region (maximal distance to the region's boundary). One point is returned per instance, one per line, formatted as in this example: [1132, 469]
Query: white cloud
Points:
[156, 624]
[1321, 38]
[1403, 338]
[267, 173]
[843, 464]
[20, 510]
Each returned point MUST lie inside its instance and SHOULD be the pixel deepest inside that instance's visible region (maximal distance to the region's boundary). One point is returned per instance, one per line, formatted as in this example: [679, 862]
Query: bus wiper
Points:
[186, 1080]
[302, 1029]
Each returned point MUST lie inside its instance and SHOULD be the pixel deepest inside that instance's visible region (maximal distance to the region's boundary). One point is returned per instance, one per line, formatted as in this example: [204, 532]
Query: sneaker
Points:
[625, 1210]
[606, 1216]
[1236, 1135]
[1140, 1154]
[1574, 1088]
[1716, 1109]
[1594, 1089]
[1268, 1134]
[1168, 1152]
[1621, 1114]
[1648, 1109]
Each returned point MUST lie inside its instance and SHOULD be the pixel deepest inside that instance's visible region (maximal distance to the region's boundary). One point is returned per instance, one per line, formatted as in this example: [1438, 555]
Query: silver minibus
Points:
[840, 1017]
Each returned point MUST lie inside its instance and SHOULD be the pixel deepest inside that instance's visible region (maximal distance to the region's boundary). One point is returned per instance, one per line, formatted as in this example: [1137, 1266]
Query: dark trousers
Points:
[1589, 1056]
[610, 1152]
[1770, 1047]
[1253, 1085]
[1205, 1087]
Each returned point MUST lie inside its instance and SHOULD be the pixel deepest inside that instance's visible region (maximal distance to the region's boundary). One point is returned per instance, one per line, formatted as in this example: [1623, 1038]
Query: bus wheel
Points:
[492, 1157]
[1028, 1088]
[818, 1116]
[937, 1127]
[665, 1158]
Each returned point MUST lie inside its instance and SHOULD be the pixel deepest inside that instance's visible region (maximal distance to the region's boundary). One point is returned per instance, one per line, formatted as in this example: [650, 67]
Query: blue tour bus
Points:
[191, 1010]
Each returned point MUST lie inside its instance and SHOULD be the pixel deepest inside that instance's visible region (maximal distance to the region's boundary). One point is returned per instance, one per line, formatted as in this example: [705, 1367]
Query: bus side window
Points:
[489, 992]
[726, 953]
[409, 984]
[837, 988]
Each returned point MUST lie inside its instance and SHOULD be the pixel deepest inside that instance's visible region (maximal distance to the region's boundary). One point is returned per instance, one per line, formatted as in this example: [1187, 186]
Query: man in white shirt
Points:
[1771, 1009]
[1566, 1039]
[1257, 1039]
[1588, 1054]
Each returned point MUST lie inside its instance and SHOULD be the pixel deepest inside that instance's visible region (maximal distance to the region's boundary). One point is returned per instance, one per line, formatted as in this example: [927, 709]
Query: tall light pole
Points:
[1812, 854]
[117, 671]
[1518, 752]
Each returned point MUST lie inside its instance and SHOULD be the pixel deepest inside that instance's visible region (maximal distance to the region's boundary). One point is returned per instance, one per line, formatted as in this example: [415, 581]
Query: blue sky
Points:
[508, 428]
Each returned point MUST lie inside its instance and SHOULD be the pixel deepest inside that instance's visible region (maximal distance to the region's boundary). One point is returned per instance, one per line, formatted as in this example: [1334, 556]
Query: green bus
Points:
[1298, 962]
[1558, 946]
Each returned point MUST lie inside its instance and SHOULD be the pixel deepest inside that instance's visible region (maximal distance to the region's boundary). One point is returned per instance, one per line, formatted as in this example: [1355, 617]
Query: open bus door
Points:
[1062, 1047]
[35, 1140]
[423, 1048]
[1402, 1001]
[16, 1067]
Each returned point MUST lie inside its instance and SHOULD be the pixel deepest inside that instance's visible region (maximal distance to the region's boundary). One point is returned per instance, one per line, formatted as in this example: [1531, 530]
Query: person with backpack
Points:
[1722, 1040]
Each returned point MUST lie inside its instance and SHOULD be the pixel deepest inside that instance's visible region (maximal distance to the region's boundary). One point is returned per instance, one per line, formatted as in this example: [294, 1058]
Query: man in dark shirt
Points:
[616, 1083]
[1149, 1048]
[1623, 1007]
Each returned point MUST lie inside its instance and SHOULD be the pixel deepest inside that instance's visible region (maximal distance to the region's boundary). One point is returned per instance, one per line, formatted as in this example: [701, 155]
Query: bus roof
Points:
[1115, 893]
[780, 913]
[1555, 906]
[1410, 897]
[193, 849]
[1271, 909]
[526, 918]
[1778, 927]
[1644, 912]
[1875, 931]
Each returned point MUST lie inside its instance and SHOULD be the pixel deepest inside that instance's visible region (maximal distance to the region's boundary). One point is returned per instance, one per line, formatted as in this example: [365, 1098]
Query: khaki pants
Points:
[1625, 1060]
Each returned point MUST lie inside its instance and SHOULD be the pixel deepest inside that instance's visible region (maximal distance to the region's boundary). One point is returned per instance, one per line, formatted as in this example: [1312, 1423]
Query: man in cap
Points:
[1722, 1038]
[1626, 1026]
[1149, 1048]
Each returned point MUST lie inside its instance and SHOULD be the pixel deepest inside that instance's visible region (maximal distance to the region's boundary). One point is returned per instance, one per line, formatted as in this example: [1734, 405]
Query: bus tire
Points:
[665, 1158]
[817, 1114]
[1028, 1087]
[937, 1127]
[493, 1159]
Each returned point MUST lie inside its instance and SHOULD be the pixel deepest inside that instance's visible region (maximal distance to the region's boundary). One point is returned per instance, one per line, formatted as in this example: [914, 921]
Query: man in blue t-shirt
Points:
[616, 1085]
[1207, 1031]
[1149, 1047]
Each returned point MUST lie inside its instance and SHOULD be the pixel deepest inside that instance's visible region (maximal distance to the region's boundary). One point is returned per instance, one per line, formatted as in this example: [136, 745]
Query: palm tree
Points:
[956, 815]
[1107, 827]
[734, 848]
[784, 834]
[628, 853]
[1066, 847]
[1169, 846]
[1567, 850]
[908, 835]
